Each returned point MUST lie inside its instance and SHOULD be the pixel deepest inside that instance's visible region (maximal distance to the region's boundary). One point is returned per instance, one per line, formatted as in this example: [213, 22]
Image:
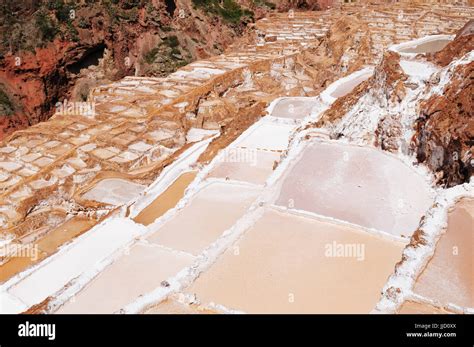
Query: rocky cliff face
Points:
[385, 88]
[53, 50]
[444, 138]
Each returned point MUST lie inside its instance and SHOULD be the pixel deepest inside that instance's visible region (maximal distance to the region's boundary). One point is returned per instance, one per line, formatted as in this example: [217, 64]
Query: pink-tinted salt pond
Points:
[211, 212]
[114, 191]
[359, 185]
[449, 276]
[133, 274]
[294, 108]
[266, 136]
[255, 167]
[426, 45]
[293, 264]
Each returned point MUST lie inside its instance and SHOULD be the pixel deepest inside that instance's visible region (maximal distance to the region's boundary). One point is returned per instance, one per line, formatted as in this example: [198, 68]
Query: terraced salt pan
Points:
[10, 304]
[137, 272]
[417, 255]
[294, 108]
[114, 191]
[283, 264]
[211, 211]
[449, 276]
[267, 135]
[344, 86]
[166, 200]
[88, 272]
[169, 182]
[253, 167]
[418, 69]
[347, 86]
[47, 245]
[82, 255]
[359, 185]
[197, 134]
[427, 44]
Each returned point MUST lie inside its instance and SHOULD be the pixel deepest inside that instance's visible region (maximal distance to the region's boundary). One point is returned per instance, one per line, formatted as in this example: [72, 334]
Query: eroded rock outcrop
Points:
[444, 137]
[370, 110]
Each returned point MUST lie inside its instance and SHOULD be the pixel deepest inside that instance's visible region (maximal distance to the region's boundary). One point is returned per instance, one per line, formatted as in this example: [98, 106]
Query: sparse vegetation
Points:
[129, 4]
[171, 41]
[150, 56]
[129, 15]
[264, 3]
[46, 26]
[228, 10]
[72, 32]
[61, 9]
[169, 48]
[6, 106]
[167, 57]
[111, 11]
[47, 20]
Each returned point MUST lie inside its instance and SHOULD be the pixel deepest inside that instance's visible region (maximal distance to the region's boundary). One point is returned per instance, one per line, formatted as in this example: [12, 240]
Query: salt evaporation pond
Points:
[293, 264]
[360, 185]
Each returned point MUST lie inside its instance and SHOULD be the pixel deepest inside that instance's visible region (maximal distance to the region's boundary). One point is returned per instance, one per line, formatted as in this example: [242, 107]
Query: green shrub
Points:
[150, 56]
[131, 4]
[175, 50]
[61, 9]
[171, 41]
[46, 27]
[129, 15]
[228, 10]
[111, 11]
[264, 3]
[6, 106]
[72, 32]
